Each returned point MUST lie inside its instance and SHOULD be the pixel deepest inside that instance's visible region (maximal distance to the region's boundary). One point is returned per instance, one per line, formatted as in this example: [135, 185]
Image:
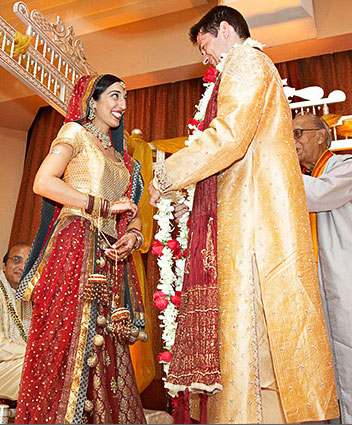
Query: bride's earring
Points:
[91, 114]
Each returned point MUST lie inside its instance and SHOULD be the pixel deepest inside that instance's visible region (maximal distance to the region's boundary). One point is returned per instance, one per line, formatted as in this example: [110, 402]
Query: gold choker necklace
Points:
[103, 137]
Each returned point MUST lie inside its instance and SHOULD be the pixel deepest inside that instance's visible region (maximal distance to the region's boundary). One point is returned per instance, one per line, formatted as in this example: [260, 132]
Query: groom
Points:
[249, 248]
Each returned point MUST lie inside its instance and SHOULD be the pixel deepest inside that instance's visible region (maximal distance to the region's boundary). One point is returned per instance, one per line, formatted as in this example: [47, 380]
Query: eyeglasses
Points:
[298, 132]
[16, 259]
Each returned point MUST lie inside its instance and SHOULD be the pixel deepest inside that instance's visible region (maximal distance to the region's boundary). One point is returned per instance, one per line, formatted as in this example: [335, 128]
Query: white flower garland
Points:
[171, 271]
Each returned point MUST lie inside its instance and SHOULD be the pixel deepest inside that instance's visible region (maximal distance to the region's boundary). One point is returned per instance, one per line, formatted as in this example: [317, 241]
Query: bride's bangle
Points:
[105, 209]
[89, 205]
[139, 238]
[97, 206]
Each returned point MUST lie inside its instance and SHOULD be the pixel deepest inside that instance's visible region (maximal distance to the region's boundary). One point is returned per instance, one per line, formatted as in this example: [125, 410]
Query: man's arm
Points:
[240, 105]
[330, 190]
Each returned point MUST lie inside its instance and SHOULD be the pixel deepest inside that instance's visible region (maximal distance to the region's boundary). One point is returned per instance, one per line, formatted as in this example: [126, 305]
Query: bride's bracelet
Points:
[89, 205]
[104, 207]
[139, 238]
[97, 206]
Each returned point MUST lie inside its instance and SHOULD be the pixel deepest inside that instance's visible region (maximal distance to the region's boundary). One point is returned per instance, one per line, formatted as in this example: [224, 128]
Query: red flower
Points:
[188, 224]
[161, 303]
[176, 299]
[158, 294]
[201, 126]
[210, 75]
[173, 244]
[177, 254]
[164, 357]
[157, 247]
[193, 121]
[185, 252]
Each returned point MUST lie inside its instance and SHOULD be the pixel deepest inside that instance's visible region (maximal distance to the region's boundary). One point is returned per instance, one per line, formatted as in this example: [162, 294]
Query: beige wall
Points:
[12, 152]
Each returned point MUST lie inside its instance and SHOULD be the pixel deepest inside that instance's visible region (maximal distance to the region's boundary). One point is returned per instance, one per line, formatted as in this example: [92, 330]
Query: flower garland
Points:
[171, 255]
[171, 252]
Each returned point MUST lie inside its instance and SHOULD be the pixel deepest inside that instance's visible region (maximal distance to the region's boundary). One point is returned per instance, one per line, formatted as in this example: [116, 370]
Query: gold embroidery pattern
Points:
[209, 260]
[196, 369]
[99, 413]
[107, 360]
[90, 171]
[113, 386]
[162, 176]
[188, 259]
[130, 406]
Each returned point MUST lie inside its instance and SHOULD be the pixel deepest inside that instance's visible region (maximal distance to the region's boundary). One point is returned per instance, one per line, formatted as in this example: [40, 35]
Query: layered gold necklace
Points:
[103, 137]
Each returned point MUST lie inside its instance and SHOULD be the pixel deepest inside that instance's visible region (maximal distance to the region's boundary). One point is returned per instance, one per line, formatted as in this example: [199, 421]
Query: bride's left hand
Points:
[122, 248]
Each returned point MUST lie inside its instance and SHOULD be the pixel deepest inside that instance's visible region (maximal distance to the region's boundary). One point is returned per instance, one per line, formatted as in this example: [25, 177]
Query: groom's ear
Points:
[225, 29]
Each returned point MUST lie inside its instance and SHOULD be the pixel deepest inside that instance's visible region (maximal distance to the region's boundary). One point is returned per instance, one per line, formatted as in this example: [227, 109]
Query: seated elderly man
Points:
[329, 196]
[15, 317]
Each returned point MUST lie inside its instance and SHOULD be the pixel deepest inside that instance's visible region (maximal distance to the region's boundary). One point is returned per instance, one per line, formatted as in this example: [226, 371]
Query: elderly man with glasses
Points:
[15, 317]
[328, 184]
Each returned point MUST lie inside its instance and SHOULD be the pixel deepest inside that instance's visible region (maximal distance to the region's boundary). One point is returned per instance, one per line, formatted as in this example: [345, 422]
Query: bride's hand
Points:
[124, 205]
[122, 248]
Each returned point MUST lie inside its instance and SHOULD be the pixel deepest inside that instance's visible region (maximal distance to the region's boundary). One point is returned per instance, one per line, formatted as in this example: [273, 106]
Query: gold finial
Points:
[137, 132]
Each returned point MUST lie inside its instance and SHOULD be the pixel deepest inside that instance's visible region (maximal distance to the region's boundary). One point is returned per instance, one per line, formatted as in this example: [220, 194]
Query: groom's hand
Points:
[179, 210]
[154, 194]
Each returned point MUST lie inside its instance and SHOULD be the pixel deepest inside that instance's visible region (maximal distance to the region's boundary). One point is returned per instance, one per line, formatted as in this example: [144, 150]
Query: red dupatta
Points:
[195, 364]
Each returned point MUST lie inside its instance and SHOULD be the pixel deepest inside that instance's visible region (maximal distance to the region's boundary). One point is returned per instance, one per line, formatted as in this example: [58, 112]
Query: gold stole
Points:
[317, 171]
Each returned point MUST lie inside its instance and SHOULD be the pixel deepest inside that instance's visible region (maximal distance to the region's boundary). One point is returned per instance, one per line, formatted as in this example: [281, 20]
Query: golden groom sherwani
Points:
[269, 300]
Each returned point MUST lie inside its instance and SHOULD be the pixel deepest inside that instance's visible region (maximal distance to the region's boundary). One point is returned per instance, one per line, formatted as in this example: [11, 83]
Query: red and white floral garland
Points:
[171, 260]
[171, 252]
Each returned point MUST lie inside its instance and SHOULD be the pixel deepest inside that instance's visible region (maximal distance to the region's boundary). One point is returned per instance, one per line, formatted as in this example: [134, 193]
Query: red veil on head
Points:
[79, 102]
[78, 108]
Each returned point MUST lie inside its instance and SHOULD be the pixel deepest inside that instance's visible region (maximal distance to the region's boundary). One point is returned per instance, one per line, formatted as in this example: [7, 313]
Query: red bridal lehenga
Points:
[76, 369]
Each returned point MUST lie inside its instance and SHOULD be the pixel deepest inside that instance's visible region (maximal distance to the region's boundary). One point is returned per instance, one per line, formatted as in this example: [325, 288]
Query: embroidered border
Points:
[163, 178]
[78, 392]
[209, 259]
[255, 347]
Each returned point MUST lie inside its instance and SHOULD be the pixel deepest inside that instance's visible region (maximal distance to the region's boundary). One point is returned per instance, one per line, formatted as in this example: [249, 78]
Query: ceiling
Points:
[146, 41]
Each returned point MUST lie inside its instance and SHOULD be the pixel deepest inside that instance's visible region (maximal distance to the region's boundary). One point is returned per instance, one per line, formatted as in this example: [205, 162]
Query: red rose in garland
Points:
[157, 247]
[158, 294]
[201, 126]
[210, 75]
[193, 121]
[161, 303]
[164, 357]
[177, 254]
[173, 244]
[176, 299]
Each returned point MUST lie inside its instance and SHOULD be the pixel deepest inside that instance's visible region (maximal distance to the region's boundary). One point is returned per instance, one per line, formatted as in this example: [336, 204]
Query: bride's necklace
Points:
[103, 137]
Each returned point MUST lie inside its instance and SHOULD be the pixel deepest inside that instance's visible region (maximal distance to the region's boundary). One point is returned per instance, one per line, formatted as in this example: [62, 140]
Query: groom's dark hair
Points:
[211, 21]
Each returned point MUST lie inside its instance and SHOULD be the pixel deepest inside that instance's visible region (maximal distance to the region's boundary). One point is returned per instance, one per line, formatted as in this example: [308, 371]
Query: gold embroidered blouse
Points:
[91, 172]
